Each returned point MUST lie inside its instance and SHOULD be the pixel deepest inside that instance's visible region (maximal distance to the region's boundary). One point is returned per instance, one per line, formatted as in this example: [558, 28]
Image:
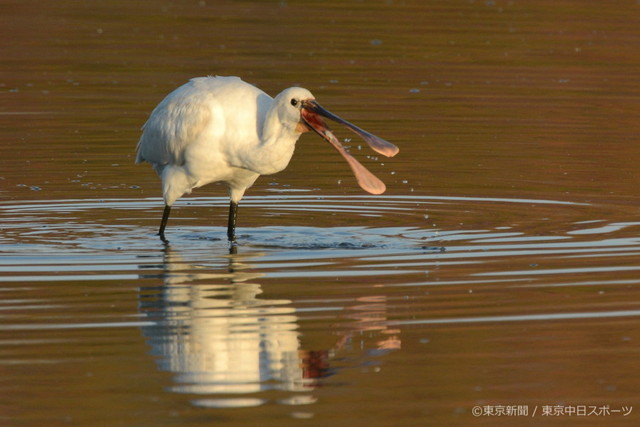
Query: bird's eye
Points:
[294, 102]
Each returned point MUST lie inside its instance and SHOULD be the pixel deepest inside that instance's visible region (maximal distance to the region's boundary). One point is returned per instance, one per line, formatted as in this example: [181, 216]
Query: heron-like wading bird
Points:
[222, 129]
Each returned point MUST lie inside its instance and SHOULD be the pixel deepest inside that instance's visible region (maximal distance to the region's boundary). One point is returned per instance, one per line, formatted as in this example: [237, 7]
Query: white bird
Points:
[221, 129]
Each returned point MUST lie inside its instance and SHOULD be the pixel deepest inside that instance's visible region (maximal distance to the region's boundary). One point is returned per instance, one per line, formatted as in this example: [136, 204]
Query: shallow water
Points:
[499, 269]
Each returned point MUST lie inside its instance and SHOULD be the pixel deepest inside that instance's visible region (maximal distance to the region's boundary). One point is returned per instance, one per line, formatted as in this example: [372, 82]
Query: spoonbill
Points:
[222, 129]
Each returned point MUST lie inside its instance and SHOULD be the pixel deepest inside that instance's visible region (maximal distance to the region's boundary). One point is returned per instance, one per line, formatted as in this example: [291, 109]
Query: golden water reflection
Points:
[223, 339]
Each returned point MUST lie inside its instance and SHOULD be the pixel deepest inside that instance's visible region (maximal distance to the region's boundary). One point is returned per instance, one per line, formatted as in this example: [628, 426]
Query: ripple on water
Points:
[83, 226]
[233, 327]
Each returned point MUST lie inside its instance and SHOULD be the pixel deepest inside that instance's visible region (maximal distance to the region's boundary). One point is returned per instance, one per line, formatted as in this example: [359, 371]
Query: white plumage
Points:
[221, 129]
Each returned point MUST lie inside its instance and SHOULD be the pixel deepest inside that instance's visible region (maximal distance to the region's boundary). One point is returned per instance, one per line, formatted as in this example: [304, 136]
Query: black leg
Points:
[231, 227]
[233, 250]
[163, 223]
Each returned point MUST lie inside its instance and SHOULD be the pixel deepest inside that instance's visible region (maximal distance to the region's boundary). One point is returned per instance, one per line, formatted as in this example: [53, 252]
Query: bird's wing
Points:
[175, 122]
[203, 113]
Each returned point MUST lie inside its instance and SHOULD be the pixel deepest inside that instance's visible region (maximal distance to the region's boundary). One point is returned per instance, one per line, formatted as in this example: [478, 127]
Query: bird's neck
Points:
[276, 146]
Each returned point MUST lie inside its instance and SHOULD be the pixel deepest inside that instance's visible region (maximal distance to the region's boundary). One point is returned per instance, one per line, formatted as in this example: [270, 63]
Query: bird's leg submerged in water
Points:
[163, 223]
[231, 227]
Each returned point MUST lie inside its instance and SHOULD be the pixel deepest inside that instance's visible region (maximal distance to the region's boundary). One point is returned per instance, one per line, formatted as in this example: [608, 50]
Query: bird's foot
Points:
[164, 239]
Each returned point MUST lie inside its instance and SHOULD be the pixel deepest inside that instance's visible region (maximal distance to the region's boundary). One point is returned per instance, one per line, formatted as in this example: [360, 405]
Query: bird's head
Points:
[298, 105]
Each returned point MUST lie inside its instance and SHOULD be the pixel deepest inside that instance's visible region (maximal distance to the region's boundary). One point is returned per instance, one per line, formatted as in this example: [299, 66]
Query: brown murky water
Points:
[500, 273]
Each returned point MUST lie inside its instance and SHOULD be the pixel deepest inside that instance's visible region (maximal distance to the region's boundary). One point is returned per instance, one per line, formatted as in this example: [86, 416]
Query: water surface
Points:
[500, 268]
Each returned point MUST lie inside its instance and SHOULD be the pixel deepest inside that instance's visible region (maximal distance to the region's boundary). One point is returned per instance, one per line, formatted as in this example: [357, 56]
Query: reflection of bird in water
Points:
[221, 337]
[370, 315]
[212, 329]
[221, 129]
